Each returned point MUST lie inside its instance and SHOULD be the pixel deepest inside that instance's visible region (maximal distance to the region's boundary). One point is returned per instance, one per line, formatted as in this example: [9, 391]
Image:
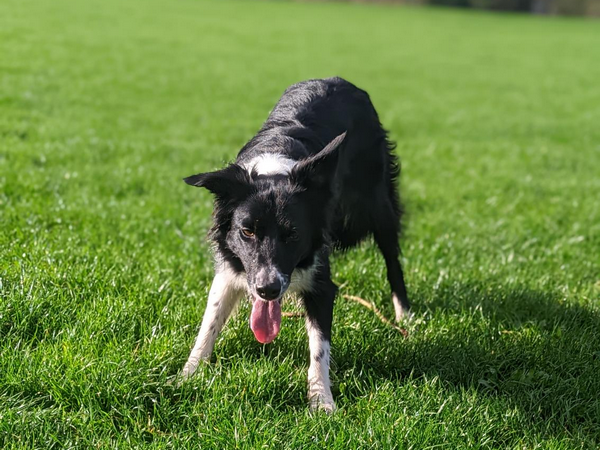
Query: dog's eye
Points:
[291, 236]
[247, 232]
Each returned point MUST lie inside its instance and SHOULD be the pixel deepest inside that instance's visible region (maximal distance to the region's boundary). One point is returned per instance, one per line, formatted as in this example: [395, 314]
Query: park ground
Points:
[104, 266]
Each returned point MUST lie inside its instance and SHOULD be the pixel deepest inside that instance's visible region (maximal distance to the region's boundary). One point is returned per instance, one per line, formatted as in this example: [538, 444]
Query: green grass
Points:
[104, 269]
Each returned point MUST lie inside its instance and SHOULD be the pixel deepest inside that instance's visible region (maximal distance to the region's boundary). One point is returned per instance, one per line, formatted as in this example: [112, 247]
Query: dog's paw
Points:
[189, 370]
[178, 380]
[175, 381]
[402, 313]
[405, 317]
[322, 402]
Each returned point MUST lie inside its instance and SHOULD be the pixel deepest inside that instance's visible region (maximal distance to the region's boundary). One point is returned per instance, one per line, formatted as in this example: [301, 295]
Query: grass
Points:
[104, 269]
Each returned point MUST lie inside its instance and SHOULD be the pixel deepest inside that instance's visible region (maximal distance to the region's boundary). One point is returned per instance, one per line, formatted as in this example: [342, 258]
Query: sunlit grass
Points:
[104, 269]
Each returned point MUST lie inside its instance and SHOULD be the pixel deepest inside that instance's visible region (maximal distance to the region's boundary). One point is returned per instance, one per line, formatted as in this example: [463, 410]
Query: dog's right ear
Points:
[318, 171]
[230, 182]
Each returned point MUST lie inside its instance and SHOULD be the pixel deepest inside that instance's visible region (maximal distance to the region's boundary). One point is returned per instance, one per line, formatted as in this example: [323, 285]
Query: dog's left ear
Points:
[318, 170]
[232, 182]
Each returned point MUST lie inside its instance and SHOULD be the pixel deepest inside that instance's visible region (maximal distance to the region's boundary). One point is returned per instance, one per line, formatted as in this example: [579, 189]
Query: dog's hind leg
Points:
[224, 294]
[386, 237]
[319, 314]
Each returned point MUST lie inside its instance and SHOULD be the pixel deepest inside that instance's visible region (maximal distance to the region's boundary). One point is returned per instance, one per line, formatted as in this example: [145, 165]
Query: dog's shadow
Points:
[532, 349]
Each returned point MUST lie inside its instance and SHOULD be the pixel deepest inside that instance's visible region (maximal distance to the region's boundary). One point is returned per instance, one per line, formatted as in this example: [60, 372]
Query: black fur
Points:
[341, 189]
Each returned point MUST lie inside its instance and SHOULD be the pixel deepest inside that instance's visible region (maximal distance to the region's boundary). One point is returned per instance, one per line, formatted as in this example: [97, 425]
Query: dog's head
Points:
[271, 225]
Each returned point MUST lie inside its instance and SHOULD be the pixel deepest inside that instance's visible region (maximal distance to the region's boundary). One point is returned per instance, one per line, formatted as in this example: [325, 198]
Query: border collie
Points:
[319, 175]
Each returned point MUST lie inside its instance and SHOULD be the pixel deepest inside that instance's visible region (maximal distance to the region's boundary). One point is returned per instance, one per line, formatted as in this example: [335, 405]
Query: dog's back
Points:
[308, 116]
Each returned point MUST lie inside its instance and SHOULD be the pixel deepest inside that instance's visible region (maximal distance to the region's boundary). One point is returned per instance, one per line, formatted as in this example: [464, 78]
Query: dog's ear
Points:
[318, 170]
[232, 182]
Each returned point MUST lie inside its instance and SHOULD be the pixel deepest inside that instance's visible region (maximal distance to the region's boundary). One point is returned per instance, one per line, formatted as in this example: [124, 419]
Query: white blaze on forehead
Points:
[271, 164]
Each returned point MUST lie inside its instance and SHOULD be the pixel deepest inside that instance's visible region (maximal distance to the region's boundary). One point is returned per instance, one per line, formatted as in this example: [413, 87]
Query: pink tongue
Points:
[265, 320]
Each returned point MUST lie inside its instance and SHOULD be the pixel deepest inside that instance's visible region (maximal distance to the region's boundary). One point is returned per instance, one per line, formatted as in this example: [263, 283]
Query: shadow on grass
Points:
[538, 354]
[528, 349]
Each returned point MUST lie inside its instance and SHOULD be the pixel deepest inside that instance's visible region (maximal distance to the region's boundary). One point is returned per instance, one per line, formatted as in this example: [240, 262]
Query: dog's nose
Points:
[270, 291]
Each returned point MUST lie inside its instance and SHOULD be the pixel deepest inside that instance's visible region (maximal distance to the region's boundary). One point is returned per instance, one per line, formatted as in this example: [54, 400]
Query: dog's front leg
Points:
[223, 296]
[319, 314]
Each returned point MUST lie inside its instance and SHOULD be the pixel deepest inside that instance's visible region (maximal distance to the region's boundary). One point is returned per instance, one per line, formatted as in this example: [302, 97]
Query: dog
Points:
[319, 175]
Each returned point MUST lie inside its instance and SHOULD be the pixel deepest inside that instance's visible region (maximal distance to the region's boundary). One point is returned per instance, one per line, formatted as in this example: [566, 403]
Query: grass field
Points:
[104, 269]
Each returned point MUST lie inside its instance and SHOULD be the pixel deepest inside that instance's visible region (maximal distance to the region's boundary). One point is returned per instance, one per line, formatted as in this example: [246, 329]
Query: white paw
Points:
[322, 402]
[179, 379]
[189, 369]
[404, 317]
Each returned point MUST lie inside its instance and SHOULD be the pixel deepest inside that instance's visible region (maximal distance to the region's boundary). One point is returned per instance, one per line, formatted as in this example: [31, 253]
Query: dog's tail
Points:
[394, 175]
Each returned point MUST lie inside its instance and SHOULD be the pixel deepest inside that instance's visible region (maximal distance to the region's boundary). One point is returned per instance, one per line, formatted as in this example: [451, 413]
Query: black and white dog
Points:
[319, 175]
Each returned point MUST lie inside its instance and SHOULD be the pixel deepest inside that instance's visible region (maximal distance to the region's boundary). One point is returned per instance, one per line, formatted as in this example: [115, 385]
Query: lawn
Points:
[105, 269]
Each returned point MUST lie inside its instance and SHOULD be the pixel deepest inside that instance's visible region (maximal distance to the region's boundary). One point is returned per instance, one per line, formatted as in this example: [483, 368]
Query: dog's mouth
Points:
[265, 319]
